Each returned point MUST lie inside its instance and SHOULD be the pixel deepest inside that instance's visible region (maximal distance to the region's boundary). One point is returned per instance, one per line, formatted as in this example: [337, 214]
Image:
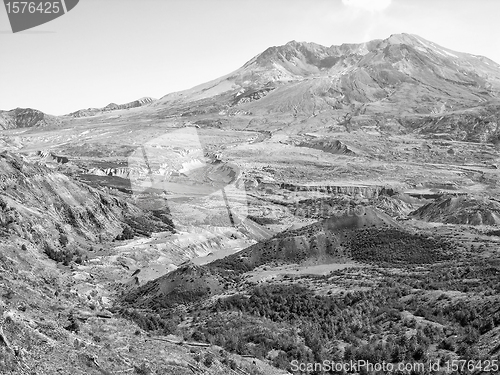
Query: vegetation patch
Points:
[393, 246]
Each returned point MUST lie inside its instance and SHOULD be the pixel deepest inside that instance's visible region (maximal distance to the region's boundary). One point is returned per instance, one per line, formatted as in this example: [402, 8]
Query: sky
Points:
[106, 51]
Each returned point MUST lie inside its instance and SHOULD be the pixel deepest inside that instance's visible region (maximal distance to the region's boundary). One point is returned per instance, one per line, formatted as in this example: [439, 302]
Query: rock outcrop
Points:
[332, 146]
[366, 191]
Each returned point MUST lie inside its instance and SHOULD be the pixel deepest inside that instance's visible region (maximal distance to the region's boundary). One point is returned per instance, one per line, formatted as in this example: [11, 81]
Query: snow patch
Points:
[450, 54]
[435, 48]
[425, 44]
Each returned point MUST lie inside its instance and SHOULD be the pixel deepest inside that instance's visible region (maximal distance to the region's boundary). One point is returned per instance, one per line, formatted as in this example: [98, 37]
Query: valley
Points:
[319, 203]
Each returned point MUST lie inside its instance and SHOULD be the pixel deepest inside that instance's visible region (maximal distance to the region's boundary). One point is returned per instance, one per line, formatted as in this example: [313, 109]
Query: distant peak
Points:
[404, 39]
[112, 107]
[294, 43]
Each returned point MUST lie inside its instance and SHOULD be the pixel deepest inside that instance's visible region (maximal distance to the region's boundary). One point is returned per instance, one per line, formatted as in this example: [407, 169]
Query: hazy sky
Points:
[120, 50]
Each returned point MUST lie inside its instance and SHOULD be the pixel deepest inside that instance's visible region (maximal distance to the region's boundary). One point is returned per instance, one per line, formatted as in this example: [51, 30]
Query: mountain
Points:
[111, 107]
[404, 80]
[28, 117]
[25, 118]
[377, 75]
[402, 84]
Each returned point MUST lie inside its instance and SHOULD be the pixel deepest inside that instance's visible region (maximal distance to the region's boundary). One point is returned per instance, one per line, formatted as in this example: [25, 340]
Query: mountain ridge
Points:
[112, 107]
[374, 63]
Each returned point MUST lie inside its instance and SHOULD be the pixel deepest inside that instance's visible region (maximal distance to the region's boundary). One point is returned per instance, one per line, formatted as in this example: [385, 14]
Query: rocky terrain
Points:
[317, 203]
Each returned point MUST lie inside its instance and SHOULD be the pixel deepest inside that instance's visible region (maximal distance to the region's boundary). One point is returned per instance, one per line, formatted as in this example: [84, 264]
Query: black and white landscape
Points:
[319, 203]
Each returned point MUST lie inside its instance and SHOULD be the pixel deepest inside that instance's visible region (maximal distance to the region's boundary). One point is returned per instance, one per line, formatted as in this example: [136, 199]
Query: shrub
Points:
[208, 360]
[63, 239]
